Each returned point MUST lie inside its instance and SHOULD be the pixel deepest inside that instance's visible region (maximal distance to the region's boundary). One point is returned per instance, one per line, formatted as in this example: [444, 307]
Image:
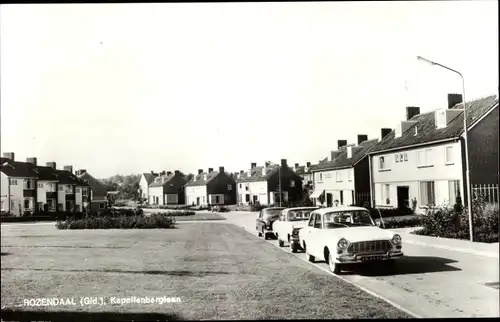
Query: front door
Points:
[403, 197]
[197, 201]
[329, 200]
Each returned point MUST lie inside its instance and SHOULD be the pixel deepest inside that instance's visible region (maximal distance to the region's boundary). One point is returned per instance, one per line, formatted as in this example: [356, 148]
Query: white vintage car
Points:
[347, 235]
[289, 220]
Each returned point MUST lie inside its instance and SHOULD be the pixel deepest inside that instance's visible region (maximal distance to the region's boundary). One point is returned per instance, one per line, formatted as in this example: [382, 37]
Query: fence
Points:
[488, 191]
[362, 198]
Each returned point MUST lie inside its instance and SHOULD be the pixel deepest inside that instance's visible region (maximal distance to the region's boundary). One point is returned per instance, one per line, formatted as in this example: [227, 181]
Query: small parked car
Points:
[290, 220]
[265, 220]
[347, 235]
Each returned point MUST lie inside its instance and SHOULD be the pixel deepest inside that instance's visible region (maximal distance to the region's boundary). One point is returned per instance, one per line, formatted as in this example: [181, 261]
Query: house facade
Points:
[261, 184]
[168, 189]
[96, 200]
[144, 182]
[30, 188]
[421, 163]
[345, 176]
[211, 188]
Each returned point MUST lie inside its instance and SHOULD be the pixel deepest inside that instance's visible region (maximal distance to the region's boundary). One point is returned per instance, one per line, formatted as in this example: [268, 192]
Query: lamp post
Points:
[467, 171]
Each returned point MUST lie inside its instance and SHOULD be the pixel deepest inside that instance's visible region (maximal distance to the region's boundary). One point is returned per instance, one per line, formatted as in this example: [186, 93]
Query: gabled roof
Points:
[17, 169]
[256, 174]
[198, 179]
[66, 177]
[341, 160]
[150, 177]
[300, 170]
[160, 181]
[93, 183]
[46, 173]
[427, 131]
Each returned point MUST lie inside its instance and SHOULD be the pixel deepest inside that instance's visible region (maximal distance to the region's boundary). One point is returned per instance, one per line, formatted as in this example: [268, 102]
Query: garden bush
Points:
[402, 222]
[453, 222]
[121, 222]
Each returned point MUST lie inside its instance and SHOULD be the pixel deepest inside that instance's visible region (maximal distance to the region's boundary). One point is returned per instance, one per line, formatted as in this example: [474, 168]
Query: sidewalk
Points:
[465, 246]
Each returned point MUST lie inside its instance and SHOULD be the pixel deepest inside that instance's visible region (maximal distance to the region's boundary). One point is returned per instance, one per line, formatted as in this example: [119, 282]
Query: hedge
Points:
[122, 222]
[453, 222]
[402, 222]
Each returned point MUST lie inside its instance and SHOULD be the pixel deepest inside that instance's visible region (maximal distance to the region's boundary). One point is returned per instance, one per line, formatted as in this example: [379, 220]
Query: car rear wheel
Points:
[334, 267]
[265, 234]
[294, 247]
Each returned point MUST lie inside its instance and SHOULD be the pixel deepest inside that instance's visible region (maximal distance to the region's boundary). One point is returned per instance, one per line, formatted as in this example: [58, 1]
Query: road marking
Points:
[413, 314]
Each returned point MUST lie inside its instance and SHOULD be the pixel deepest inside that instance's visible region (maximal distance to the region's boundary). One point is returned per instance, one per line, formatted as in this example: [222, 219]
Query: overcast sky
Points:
[129, 88]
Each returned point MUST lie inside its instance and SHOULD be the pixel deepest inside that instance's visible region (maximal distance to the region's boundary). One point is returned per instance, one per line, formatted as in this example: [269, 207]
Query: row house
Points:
[144, 182]
[268, 184]
[344, 177]
[97, 198]
[168, 189]
[304, 172]
[420, 163]
[29, 188]
[212, 187]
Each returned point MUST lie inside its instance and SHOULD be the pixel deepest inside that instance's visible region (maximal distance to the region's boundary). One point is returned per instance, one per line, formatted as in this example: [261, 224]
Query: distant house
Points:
[304, 172]
[168, 189]
[145, 181]
[423, 158]
[113, 196]
[97, 200]
[345, 176]
[212, 187]
[262, 184]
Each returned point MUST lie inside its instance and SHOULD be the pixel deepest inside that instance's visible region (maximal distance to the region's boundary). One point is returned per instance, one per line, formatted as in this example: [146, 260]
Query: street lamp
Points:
[467, 172]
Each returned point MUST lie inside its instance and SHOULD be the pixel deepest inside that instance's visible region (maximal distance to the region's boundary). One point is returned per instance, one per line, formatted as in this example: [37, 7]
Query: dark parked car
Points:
[265, 220]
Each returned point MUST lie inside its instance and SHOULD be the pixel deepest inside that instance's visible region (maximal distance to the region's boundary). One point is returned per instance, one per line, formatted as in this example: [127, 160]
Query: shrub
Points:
[121, 222]
[6, 214]
[386, 213]
[448, 222]
[403, 222]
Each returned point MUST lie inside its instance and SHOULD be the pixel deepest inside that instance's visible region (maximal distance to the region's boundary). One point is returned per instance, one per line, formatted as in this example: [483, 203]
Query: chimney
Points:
[169, 173]
[162, 173]
[296, 165]
[362, 138]
[9, 155]
[267, 163]
[177, 172]
[68, 168]
[384, 132]
[241, 171]
[341, 143]
[31, 160]
[200, 171]
[221, 169]
[454, 99]
[264, 171]
[210, 170]
[205, 176]
[253, 165]
[80, 172]
[152, 172]
[308, 164]
[349, 152]
[283, 162]
[51, 165]
[411, 111]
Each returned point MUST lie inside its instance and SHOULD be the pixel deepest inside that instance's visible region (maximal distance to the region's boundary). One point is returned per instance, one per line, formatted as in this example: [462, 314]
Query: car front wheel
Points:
[334, 267]
[309, 256]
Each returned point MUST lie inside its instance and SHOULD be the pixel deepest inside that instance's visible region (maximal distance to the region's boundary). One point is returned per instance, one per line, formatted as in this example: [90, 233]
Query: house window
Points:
[405, 155]
[247, 198]
[454, 191]
[60, 188]
[241, 186]
[216, 199]
[101, 205]
[449, 154]
[2, 205]
[382, 165]
[13, 182]
[386, 194]
[77, 190]
[40, 185]
[338, 176]
[40, 206]
[396, 157]
[424, 158]
[26, 203]
[84, 191]
[77, 208]
[292, 183]
[320, 176]
[246, 188]
[229, 187]
[427, 193]
[349, 175]
[29, 184]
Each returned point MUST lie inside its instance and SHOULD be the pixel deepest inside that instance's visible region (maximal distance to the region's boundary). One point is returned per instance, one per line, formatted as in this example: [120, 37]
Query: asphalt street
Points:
[429, 282]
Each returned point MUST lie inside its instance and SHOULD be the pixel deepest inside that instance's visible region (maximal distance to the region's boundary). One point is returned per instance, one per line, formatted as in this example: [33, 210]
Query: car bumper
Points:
[367, 257]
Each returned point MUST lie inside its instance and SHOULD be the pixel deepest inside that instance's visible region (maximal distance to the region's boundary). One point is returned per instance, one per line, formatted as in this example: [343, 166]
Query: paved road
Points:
[430, 282]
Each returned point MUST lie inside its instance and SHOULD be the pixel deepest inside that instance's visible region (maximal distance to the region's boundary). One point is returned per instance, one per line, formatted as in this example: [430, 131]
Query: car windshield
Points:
[348, 219]
[299, 214]
[273, 212]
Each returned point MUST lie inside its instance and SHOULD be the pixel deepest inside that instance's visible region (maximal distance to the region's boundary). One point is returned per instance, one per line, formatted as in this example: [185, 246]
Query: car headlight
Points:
[343, 243]
[396, 239]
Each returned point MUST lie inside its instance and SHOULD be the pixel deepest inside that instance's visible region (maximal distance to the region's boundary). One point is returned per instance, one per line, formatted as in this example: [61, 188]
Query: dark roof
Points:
[255, 174]
[427, 131]
[199, 181]
[300, 170]
[158, 182]
[66, 177]
[150, 177]
[341, 160]
[96, 185]
[46, 173]
[18, 169]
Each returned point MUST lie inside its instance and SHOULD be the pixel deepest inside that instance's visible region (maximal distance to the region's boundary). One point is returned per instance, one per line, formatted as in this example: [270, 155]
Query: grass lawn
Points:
[217, 270]
[201, 216]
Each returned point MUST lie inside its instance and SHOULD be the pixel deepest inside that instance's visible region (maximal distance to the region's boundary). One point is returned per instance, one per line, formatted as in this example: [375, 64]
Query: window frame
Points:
[446, 162]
